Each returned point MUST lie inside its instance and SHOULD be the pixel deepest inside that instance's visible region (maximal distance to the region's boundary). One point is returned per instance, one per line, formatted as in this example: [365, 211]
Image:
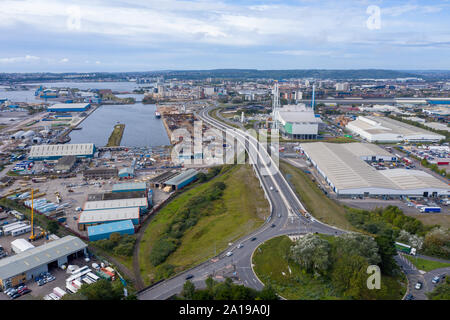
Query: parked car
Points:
[15, 295]
[253, 239]
[418, 285]
[240, 245]
[409, 297]
[26, 291]
[189, 276]
[229, 254]
[273, 225]
[435, 280]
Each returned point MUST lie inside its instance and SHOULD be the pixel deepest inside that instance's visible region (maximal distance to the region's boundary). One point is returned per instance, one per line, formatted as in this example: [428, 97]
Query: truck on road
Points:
[430, 209]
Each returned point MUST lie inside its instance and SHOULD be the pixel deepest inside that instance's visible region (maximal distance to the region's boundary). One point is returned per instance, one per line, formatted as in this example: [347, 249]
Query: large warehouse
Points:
[69, 107]
[297, 122]
[345, 169]
[382, 129]
[26, 265]
[95, 217]
[140, 203]
[56, 151]
[104, 231]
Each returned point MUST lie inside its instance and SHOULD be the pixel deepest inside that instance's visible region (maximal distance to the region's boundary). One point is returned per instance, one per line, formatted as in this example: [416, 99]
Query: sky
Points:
[146, 35]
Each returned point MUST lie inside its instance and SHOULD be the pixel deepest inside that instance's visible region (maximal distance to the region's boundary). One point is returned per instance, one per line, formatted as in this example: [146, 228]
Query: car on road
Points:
[409, 297]
[435, 280]
[240, 245]
[273, 225]
[279, 215]
[271, 188]
[418, 285]
[253, 239]
[189, 276]
[229, 254]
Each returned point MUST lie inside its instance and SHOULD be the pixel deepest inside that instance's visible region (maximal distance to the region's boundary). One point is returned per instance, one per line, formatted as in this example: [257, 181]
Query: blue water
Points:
[141, 127]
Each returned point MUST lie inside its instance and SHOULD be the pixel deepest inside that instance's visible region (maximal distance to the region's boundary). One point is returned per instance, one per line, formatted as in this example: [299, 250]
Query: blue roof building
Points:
[104, 231]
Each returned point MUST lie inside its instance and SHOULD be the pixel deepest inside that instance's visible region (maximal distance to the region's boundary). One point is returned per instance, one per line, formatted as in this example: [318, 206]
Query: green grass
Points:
[271, 261]
[240, 210]
[116, 135]
[426, 265]
[316, 202]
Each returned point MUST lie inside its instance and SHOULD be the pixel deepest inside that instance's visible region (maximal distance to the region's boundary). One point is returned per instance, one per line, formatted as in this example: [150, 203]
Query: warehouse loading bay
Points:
[58, 275]
[292, 154]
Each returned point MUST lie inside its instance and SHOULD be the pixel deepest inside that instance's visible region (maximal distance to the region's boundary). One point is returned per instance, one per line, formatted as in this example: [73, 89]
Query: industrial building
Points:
[297, 122]
[158, 181]
[27, 265]
[382, 129]
[126, 173]
[104, 173]
[182, 180]
[69, 107]
[104, 231]
[56, 151]
[95, 217]
[140, 203]
[345, 169]
[21, 245]
[131, 186]
[65, 164]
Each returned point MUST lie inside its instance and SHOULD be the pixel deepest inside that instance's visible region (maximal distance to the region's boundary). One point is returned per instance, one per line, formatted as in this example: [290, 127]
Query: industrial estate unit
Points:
[345, 169]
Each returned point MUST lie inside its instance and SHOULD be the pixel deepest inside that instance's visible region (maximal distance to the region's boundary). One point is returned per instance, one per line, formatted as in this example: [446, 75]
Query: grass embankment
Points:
[272, 266]
[240, 210]
[116, 136]
[425, 264]
[316, 202]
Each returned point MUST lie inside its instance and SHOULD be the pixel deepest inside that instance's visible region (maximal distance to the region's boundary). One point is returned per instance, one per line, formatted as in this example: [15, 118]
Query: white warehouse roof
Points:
[60, 150]
[386, 129]
[22, 245]
[344, 168]
[115, 204]
[95, 216]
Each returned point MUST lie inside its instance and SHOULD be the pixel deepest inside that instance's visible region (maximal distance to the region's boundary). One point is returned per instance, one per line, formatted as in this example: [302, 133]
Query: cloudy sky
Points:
[143, 35]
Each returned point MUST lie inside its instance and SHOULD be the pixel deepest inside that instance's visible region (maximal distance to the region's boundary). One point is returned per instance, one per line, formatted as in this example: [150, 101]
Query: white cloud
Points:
[26, 58]
[64, 60]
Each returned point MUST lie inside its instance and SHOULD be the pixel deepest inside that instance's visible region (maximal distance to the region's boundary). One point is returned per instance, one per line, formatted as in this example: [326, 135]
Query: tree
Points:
[387, 252]
[437, 242]
[312, 253]
[441, 292]
[358, 244]
[100, 290]
[201, 176]
[52, 226]
[349, 276]
[268, 293]
[188, 290]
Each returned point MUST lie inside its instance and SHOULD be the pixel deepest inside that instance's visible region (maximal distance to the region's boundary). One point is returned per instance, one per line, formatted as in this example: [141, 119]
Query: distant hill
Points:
[287, 74]
[234, 74]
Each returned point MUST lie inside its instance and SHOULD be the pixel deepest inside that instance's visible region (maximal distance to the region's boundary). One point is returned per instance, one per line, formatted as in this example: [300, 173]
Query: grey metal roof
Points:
[94, 216]
[115, 204]
[59, 150]
[129, 186]
[343, 166]
[188, 174]
[33, 258]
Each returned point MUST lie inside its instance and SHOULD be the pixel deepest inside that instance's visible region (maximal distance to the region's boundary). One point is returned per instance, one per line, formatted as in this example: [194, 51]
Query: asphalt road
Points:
[286, 219]
[414, 275]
